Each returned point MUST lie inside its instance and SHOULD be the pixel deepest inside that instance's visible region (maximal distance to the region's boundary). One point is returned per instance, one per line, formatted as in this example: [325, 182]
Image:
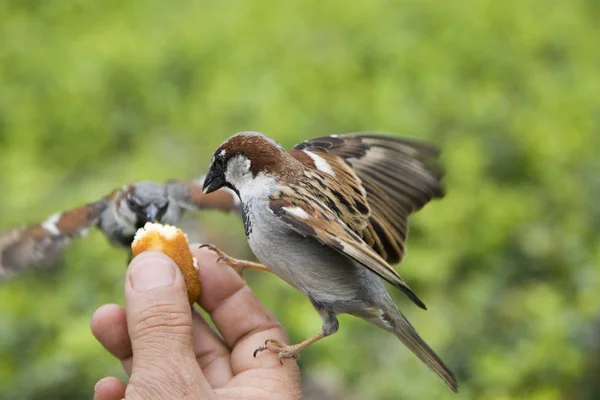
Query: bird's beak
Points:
[213, 181]
[152, 212]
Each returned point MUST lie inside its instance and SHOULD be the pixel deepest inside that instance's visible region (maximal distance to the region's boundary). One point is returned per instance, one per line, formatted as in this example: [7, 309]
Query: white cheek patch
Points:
[258, 187]
[297, 211]
[50, 224]
[238, 172]
[320, 163]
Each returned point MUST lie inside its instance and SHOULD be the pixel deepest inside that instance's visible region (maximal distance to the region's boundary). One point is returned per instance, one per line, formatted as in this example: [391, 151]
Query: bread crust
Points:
[173, 242]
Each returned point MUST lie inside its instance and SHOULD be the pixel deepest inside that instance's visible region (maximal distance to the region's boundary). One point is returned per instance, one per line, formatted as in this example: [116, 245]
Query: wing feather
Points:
[41, 244]
[398, 175]
[326, 227]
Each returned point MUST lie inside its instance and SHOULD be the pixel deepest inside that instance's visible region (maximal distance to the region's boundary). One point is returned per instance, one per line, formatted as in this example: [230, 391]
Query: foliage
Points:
[98, 94]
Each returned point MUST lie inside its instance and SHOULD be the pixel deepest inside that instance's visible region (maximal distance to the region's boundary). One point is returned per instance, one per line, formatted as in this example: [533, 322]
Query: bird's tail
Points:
[400, 327]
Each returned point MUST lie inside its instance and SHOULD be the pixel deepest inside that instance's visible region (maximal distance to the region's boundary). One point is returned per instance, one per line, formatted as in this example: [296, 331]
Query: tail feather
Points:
[411, 339]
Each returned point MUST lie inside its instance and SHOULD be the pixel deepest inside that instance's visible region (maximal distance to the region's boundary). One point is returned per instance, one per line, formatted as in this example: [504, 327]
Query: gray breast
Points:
[317, 270]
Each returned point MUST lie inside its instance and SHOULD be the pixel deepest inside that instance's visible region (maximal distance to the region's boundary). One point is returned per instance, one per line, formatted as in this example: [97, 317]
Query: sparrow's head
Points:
[144, 202]
[243, 158]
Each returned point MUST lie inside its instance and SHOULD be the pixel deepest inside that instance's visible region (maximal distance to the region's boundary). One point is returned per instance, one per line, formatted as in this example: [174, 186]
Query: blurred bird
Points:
[118, 215]
[328, 217]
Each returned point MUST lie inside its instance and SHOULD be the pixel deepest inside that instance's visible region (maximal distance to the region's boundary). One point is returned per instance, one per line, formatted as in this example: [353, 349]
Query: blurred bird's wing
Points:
[188, 194]
[41, 244]
[399, 175]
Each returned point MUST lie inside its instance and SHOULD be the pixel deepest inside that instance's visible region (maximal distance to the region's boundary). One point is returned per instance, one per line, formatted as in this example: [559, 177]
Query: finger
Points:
[109, 389]
[109, 326]
[212, 353]
[240, 317]
[159, 320]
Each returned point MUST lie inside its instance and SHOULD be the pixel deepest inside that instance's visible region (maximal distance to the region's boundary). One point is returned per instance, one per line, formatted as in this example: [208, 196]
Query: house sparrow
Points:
[118, 215]
[328, 217]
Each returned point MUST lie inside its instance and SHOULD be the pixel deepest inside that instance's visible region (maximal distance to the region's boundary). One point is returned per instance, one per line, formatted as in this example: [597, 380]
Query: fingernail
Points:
[98, 384]
[150, 273]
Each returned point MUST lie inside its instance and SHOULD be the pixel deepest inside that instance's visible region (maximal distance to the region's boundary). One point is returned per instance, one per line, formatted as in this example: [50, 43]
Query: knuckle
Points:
[162, 380]
[160, 320]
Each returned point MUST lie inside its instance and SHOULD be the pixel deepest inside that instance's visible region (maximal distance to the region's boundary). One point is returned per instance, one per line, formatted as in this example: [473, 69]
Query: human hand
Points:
[170, 352]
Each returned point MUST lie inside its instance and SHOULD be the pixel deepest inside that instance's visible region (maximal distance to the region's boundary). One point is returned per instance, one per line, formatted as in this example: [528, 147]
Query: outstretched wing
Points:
[399, 176]
[189, 196]
[40, 245]
[324, 225]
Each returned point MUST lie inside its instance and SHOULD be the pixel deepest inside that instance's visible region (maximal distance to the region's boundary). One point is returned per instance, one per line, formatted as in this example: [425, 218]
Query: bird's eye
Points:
[131, 202]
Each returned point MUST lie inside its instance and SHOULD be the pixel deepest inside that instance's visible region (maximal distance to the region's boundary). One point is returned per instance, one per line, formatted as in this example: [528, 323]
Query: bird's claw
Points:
[211, 247]
[215, 249]
[232, 262]
[274, 346]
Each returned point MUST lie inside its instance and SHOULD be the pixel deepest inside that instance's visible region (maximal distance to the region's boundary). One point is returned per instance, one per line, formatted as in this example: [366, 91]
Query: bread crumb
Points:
[166, 231]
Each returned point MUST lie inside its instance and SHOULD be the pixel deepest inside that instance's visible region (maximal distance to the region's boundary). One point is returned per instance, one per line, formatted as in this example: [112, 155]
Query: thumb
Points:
[159, 321]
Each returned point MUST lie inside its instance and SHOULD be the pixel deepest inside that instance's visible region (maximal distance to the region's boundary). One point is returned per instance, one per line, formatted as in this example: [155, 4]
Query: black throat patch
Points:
[246, 218]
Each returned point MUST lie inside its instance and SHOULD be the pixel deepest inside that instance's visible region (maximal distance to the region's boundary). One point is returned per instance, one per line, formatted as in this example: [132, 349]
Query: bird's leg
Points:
[330, 326]
[274, 346]
[238, 265]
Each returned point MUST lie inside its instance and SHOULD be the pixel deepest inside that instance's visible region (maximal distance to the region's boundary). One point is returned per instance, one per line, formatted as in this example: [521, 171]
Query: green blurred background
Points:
[94, 95]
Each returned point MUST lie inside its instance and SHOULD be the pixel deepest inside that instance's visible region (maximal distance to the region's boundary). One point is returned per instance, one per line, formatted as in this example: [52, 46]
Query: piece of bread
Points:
[171, 241]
